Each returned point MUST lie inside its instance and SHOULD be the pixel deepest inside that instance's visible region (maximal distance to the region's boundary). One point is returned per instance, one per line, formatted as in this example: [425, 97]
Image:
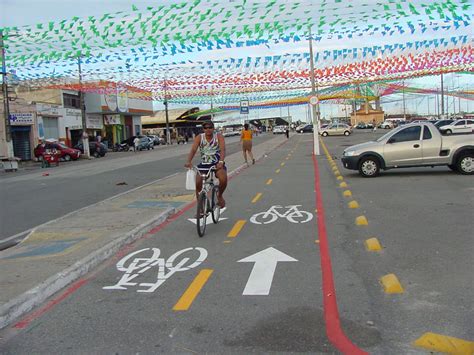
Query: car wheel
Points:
[96, 154]
[453, 167]
[324, 134]
[448, 132]
[346, 133]
[67, 157]
[369, 167]
[465, 163]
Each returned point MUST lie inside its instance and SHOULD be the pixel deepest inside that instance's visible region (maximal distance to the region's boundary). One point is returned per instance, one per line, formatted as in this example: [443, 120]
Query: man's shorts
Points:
[204, 168]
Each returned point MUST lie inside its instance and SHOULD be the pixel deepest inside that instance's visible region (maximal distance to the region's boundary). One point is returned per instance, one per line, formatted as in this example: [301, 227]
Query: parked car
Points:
[279, 129]
[157, 140]
[336, 129]
[458, 126]
[231, 133]
[386, 125]
[145, 143]
[304, 128]
[442, 123]
[361, 125]
[96, 149]
[67, 153]
[412, 145]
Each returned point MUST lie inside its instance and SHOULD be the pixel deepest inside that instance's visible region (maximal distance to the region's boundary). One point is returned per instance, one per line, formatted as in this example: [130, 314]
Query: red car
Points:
[66, 152]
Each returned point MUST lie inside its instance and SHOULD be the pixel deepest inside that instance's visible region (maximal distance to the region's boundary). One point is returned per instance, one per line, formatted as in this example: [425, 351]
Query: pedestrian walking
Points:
[287, 132]
[246, 141]
[375, 125]
[136, 142]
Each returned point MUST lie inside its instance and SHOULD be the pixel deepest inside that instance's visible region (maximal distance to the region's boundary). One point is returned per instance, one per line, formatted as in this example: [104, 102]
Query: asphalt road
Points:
[233, 299]
[29, 198]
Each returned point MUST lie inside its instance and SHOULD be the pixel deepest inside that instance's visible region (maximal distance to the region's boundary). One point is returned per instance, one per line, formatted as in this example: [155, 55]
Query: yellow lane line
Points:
[277, 171]
[269, 181]
[282, 164]
[257, 197]
[193, 290]
[236, 228]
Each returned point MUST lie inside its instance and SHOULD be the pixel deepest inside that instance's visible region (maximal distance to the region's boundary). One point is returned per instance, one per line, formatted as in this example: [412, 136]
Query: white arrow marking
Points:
[261, 277]
[209, 217]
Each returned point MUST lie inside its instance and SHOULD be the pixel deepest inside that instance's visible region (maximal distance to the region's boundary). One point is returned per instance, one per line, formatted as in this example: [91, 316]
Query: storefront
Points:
[48, 123]
[95, 127]
[72, 122]
[114, 128]
[22, 134]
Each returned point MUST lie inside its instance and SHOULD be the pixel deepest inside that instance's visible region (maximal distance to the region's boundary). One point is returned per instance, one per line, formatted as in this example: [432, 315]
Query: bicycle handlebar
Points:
[205, 176]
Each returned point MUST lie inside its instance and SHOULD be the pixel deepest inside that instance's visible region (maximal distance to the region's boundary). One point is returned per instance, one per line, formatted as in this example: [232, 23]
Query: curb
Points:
[32, 298]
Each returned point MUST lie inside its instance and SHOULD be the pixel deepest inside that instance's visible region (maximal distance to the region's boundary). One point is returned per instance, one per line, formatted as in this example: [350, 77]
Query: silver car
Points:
[413, 145]
[336, 129]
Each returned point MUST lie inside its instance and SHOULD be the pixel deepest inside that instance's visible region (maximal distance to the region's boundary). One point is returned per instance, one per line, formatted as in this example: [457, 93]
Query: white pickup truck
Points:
[412, 145]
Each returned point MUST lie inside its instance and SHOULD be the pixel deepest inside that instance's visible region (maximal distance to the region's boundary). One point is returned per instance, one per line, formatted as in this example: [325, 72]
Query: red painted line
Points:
[331, 314]
[32, 316]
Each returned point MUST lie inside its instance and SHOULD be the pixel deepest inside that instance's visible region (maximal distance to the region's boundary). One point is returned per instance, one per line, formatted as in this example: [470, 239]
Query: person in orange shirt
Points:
[246, 139]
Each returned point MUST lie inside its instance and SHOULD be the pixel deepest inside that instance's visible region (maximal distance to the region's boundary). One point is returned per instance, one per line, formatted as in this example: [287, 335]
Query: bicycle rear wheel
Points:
[215, 209]
[201, 214]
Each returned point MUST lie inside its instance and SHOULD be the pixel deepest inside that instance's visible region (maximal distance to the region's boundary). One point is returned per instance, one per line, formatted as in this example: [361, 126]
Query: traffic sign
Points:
[244, 106]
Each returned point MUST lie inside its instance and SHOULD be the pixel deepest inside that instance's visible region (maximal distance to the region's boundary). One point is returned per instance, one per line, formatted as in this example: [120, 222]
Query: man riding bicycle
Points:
[212, 148]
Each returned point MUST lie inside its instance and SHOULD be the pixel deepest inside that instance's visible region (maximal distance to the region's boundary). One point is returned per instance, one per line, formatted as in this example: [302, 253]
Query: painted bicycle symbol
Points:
[135, 266]
[292, 214]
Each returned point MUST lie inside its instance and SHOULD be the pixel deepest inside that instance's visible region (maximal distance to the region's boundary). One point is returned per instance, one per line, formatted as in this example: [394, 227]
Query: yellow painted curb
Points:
[340, 178]
[343, 184]
[444, 344]
[347, 193]
[353, 204]
[362, 221]
[373, 244]
[391, 284]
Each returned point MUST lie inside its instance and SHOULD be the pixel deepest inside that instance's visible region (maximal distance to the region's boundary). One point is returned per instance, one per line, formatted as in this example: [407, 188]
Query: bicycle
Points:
[206, 205]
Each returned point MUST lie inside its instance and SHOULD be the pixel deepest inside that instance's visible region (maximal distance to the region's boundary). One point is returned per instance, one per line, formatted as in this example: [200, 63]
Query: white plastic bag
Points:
[191, 180]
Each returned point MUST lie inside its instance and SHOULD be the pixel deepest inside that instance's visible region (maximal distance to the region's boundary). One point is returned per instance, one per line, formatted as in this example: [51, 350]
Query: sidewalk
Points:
[59, 252]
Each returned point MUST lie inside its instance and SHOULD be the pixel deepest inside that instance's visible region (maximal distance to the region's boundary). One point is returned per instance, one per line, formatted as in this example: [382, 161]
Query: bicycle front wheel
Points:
[215, 208]
[201, 214]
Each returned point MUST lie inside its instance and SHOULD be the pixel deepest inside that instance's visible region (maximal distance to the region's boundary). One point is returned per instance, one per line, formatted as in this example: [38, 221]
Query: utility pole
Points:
[442, 97]
[6, 107]
[212, 105]
[404, 106]
[85, 136]
[314, 91]
[168, 133]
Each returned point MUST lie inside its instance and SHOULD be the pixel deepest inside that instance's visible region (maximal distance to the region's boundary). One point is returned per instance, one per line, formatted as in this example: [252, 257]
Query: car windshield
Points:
[385, 136]
[63, 146]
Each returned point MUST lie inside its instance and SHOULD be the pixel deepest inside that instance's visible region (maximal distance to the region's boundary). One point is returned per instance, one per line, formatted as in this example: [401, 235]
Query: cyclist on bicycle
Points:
[212, 148]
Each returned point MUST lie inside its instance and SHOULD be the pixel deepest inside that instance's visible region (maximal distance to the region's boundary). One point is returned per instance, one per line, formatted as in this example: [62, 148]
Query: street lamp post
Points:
[314, 92]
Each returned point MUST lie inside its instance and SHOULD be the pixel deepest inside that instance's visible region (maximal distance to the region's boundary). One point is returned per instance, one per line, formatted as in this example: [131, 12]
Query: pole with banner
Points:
[314, 100]
[85, 136]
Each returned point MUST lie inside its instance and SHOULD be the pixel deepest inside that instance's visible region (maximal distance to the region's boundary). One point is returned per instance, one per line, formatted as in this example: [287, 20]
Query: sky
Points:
[28, 12]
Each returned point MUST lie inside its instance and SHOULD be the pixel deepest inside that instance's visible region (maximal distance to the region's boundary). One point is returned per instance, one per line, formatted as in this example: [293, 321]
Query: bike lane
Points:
[256, 288]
